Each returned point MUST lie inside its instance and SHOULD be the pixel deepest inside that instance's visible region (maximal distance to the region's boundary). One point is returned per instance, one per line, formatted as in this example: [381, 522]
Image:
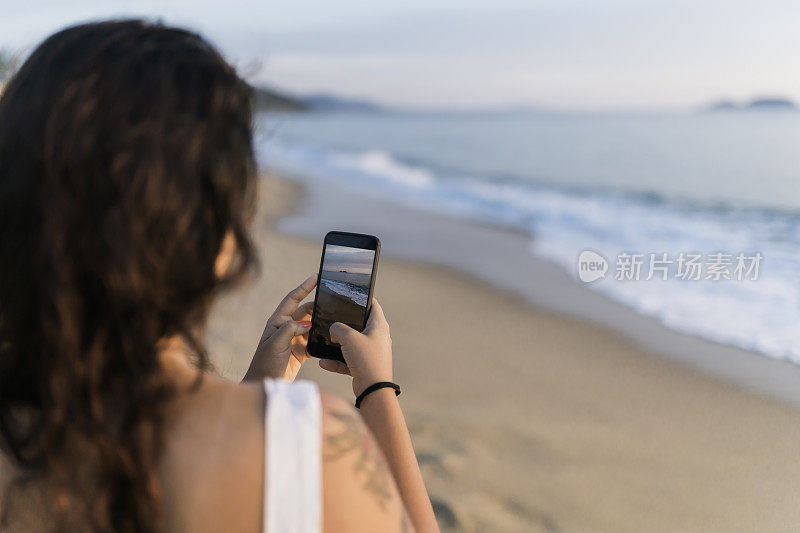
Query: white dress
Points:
[293, 457]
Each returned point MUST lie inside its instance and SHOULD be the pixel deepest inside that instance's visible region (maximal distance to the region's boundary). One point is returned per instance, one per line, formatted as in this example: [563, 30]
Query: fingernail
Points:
[305, 323]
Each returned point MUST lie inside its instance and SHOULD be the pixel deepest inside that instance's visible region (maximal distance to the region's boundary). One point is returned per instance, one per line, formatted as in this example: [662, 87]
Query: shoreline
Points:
[440, 240]
[525, 419]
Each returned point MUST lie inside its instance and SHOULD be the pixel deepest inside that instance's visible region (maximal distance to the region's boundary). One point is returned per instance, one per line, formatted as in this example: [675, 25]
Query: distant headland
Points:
[272, 100]
[267, 99]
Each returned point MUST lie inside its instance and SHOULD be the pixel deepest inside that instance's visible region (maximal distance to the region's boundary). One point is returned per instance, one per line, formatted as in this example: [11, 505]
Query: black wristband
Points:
[375, 386]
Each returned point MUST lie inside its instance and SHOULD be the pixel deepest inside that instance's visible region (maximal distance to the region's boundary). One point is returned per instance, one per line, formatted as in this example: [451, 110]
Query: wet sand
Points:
[333, 307]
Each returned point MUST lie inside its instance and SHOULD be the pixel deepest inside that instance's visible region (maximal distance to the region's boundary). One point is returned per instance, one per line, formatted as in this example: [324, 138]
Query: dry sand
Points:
[525, 420]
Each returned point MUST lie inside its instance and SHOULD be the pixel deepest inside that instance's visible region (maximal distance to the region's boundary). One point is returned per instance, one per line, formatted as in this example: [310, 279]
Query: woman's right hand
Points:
[368, 355]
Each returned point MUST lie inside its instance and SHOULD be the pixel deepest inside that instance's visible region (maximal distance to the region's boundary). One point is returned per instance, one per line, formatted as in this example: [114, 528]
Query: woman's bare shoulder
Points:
[212, 465]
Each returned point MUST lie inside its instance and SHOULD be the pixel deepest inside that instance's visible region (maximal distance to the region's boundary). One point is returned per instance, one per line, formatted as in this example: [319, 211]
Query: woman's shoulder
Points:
[224, 419]
[212, 461]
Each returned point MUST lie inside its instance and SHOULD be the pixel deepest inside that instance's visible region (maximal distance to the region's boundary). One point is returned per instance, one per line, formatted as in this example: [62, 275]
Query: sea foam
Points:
[355, 293]
[760, 315]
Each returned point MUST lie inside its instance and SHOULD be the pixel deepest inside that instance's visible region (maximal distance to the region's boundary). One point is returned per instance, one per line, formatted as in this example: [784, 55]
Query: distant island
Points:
[759, 104]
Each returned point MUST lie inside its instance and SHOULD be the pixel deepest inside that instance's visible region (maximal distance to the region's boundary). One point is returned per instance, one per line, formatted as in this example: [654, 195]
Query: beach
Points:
[333, 307]
[528, 410]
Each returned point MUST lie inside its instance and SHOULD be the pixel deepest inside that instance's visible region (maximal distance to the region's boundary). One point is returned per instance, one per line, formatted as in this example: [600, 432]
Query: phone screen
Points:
[343, 293]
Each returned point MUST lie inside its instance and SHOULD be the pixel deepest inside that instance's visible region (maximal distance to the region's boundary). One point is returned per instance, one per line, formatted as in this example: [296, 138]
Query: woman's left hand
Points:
[282, 348]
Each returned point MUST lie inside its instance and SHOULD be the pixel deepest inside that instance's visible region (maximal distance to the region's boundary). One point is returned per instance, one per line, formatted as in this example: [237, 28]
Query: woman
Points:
[127, 180]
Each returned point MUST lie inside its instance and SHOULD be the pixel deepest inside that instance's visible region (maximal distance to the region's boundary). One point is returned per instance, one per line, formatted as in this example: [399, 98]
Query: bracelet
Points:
[375, 386]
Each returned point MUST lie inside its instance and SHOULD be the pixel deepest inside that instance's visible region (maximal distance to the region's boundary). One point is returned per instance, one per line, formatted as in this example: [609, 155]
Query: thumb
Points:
[341, 333]
[289, 330]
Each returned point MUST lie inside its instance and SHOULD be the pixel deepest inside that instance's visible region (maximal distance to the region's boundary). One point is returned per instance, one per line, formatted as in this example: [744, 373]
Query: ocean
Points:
[718, 186]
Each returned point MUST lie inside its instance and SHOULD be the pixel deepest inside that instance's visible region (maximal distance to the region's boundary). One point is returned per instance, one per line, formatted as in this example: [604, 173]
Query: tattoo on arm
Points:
[351, 439]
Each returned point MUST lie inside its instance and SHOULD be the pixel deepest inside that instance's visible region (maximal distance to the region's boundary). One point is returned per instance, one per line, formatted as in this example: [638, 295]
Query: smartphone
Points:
[344, 288]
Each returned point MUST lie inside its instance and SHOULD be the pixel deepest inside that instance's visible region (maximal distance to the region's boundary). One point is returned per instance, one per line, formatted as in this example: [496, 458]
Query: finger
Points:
[303, 310]
[334, 366]
[301, 336]
[289, 330]
[305, 328]
[341, 332]
[377, 320]
[290, 302]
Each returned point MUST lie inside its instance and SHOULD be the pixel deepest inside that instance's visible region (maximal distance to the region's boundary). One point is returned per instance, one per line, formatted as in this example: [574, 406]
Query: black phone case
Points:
[325, 352]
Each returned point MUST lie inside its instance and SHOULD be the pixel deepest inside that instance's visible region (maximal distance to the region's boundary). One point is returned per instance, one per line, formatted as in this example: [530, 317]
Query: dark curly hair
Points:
[126, 157]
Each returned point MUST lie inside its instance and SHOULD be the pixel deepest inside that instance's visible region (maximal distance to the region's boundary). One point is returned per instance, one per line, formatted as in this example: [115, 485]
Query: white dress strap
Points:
[293, 455]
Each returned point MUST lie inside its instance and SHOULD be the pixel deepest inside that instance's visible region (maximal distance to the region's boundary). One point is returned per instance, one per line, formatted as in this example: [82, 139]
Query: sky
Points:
[463, 54]
[353, 260]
